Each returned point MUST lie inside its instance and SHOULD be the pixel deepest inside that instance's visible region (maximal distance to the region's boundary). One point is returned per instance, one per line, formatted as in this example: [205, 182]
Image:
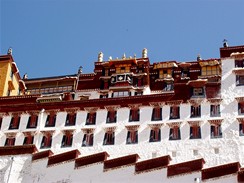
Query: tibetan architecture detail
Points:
[130, 120]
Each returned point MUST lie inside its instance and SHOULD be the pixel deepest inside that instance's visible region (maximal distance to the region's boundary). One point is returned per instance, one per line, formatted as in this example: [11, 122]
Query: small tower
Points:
[10, 51]
[80, 70]
[100, 57]
[124, 56]
[144, 53]
[199, 57]
[25, 76]
[225, 43]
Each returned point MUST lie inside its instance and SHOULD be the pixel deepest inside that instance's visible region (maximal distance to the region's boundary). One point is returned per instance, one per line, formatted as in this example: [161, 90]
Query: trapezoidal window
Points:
[70, 119]
[14, 123]
[216, 131]
[87, 140]
[111, 116]
[174, 112]
[67, 140]
[109, 138]
[28, 140]
[239, 63]
[195, 132]
[155, 135]
[156, 114]
[239, 80]
[215, 110]
[46, 141]
[174, 133]
[91, 119]
[195, 111]
[132, 137]
[241, 128]
[9, 141]
[51, 120]
[134, 115]
[241, 108]
[32, 121]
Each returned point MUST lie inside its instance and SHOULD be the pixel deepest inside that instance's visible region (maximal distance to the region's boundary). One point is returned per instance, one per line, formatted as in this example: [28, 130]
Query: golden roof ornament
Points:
[199, 57]
[10, 51]
[100, 57]
[124, 56]
[144, 53]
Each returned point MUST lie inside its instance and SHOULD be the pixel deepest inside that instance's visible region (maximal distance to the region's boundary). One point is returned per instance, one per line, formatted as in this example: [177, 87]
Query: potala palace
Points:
[131, 120]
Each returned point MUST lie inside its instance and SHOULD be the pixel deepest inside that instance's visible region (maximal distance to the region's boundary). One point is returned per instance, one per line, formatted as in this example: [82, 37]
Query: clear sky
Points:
[55, 37]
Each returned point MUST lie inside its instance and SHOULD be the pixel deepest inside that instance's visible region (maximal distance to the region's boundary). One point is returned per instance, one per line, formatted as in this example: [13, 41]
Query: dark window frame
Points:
[132, 137]
[155, 135]
[134, 115]
[195, 132]
[156, 114]
[109, 138]
[195, 111]
[174, 133]
[88, 140]
[216, 131]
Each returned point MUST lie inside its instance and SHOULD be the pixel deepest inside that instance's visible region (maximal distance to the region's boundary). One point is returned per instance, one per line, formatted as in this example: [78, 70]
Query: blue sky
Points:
[55, 37]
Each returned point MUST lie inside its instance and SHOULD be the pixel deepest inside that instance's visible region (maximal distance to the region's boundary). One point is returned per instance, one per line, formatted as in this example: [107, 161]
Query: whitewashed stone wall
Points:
[23, 170]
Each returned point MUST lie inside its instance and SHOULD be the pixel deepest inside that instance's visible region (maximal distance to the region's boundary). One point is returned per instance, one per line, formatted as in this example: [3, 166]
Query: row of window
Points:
[112, 116]
[58, 89]
[132, 136]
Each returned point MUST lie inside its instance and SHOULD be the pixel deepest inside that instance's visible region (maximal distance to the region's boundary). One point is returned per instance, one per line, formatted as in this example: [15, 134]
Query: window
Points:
[46, 141]
[67, 140]
[123, 69]
[51, 120]
[155, 135]
[14, 123]
[28, 140]
[174, 112]
[195, 132]
[195, 152]
[108, 138]
[165, 73]
[239, 80]
[134, 115]
[216, 150]
[195, 111]
[87, 140]
[184, 73]
[216, 131]
[32, 121]
[241, 129]
[210, 70]
[174, 154]
[156, 114]
[168, 87]
[111, 117]
[91, 119]
[10, 141]
[139, 82]
[240, 108]
[239, 63]
[198, 92]
[215, 110]
[70, 119]
[103, 96]
[121, 94]
[174, 133]
[132, 137]
[138, 93]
